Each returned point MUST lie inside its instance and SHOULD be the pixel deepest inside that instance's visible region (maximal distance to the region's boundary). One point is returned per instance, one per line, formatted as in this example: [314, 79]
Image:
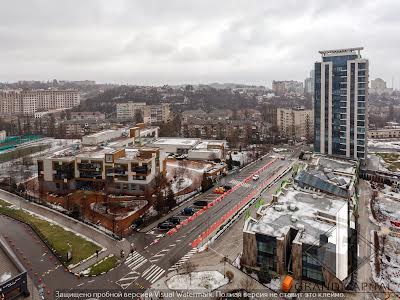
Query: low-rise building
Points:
[308, 229]
[196, 149]
[87, 115]
[128, 171]
[384, 133]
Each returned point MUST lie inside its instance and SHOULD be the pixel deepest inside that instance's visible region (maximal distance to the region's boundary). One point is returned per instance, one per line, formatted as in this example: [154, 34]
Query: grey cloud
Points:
[178, 41]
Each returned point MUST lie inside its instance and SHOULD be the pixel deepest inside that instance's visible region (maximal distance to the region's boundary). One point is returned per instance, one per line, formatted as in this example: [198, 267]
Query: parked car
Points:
[174, 220]
[200, 203]
[256, 177]
[165, 225]
[227, 187]
[188, 211]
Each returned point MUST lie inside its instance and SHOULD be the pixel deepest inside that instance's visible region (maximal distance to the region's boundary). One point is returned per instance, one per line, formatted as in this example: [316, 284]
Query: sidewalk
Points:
[111, 246]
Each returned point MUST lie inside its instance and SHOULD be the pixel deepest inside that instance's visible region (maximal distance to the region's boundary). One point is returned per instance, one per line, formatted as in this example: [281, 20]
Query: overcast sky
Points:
[191, 41]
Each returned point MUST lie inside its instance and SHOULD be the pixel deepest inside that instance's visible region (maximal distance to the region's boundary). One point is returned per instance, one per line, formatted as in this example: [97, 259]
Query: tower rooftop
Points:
[344, 51]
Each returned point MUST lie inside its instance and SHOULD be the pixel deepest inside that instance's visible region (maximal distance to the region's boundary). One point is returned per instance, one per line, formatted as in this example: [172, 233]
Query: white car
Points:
[256, 177]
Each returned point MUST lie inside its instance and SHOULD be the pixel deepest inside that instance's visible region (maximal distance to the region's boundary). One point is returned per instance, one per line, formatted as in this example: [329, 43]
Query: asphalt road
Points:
[154, 256]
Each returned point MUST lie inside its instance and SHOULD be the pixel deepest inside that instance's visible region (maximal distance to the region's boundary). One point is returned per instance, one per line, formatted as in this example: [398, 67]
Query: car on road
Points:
[256, 177]
[174, 220]
[165, 226]
[200, 203]
[219, 190]
[188, 211]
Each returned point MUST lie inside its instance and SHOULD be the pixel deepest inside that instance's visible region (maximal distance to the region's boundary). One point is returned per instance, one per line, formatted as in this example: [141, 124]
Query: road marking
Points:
[135, 260]
[153, 274]
[185, 258]
[148, 270]
[128, 279]
[157, 277]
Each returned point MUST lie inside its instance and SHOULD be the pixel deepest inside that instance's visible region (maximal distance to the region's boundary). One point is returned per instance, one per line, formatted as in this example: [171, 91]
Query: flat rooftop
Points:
[176, 141]
[103, 132]
[336, 165]
[299, 209]
[205, 143]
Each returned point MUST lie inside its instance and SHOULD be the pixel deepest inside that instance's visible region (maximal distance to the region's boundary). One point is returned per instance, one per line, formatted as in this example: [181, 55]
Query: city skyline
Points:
[151, 44]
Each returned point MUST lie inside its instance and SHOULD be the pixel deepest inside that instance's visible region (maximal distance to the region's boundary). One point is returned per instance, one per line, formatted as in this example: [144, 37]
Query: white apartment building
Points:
[295, 122]
[152, 114]
[15, 102]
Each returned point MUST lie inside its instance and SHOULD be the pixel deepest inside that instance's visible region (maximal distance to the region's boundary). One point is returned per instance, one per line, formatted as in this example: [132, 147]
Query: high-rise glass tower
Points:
[340, 103]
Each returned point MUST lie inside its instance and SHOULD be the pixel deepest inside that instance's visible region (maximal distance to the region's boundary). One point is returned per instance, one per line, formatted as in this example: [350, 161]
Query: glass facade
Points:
[311, 267]
[342, 79]
[266, 251]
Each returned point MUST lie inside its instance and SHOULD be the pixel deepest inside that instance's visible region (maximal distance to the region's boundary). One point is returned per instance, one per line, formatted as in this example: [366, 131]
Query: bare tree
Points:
[189, 268]
[247, 283]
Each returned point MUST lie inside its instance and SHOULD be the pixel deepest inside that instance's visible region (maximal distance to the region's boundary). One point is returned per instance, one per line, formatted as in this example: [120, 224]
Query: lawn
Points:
[54, 235]
[104, 265]
[392, 160]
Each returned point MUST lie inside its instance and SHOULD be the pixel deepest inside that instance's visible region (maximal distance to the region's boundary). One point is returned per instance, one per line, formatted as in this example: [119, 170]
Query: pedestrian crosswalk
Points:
[235, 182]
[159, 255]
[141, 267]
[153, 273]
[135, 260]
[185, 258]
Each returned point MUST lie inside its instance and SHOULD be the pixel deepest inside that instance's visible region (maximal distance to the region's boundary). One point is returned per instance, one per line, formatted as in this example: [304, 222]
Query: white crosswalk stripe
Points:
[235, 182]
[185, 258]
[153, 273]
[161, 253]
[135, 260]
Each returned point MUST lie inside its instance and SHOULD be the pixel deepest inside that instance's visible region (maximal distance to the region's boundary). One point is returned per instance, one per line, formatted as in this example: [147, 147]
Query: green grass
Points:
[56, 237]
[392, 160]
[104, 265]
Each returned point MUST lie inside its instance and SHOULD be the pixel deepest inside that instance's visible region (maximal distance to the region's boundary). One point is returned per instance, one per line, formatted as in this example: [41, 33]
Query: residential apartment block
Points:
[151, 114]
[28, 102]
[341, 101]
[295, 123]
[120, 167]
